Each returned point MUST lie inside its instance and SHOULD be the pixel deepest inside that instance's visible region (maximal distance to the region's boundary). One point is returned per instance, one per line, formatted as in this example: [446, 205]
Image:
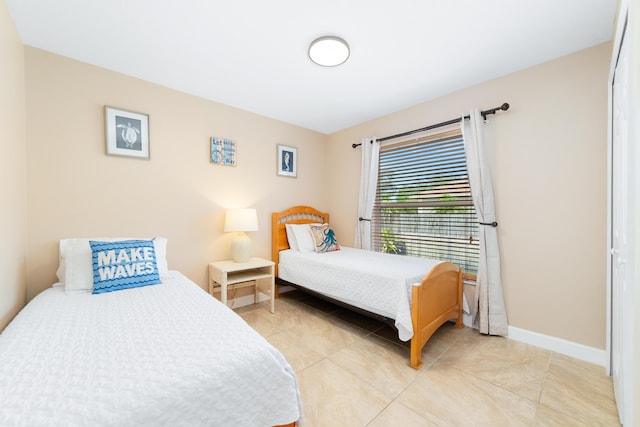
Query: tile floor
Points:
[353, 371]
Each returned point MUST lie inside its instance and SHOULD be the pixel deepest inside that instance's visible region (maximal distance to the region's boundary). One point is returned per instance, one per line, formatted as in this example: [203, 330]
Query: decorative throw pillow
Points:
[123, 265]
[76, 270]
[324, 238]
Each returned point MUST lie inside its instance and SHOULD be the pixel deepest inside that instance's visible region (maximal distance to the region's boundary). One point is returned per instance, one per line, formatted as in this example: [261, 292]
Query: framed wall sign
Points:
[223, 151]
[287, 161]
[127, 133]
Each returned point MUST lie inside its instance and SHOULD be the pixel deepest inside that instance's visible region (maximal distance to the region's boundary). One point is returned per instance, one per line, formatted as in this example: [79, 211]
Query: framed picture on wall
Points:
[127, 133]
[223, 151]
[287, 161]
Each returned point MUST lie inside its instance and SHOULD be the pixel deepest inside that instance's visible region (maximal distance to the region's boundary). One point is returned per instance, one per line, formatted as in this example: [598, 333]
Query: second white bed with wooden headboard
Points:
[416, 295]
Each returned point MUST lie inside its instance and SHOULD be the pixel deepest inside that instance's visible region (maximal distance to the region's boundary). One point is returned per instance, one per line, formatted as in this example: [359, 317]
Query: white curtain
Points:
[487, 309]
[367, 196]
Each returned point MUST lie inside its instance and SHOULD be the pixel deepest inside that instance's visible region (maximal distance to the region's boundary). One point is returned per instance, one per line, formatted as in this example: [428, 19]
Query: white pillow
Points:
[76, 268]
[291, 237]
[303, 237]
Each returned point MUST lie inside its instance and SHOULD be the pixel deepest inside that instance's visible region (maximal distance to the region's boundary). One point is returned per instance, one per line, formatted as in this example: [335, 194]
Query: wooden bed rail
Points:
[469, 277]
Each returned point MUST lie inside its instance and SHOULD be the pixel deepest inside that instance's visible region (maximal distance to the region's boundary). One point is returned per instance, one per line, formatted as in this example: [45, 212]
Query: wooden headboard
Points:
[294, 215]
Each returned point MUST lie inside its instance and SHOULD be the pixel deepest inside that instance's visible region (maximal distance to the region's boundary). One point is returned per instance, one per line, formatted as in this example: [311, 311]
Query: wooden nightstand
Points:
[233, 275]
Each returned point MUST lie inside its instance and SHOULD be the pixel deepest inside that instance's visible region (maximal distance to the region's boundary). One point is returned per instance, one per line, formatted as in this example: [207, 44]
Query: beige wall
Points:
[548, 162]
[74, 189]
[13, 189]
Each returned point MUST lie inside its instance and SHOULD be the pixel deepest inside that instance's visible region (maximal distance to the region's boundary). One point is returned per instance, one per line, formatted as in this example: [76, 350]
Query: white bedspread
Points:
[376, 282]
[164, 355]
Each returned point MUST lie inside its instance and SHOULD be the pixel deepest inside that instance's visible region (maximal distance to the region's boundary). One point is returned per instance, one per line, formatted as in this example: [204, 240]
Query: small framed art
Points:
[223, 151]
[127, 133]
[287, 161]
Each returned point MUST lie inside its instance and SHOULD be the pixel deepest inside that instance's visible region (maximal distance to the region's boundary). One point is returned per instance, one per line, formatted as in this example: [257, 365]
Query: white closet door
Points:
[622, 223]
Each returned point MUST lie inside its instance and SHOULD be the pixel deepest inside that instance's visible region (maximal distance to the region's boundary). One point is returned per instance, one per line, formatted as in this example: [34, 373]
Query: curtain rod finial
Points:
[504, 107]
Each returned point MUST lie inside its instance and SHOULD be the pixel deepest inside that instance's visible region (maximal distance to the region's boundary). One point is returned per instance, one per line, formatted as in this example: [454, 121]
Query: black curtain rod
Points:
[485, 113]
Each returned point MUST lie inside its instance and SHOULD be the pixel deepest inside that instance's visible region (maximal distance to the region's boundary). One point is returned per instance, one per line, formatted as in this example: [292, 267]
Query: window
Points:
[423, 202]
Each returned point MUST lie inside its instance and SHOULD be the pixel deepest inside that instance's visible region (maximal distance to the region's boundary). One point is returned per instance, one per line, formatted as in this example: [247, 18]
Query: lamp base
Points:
[241, 248]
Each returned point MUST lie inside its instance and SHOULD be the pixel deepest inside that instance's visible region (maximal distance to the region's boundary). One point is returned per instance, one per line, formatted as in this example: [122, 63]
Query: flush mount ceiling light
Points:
[329, 51]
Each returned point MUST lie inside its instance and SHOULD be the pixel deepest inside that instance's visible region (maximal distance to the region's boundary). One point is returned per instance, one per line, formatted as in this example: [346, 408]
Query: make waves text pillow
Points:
[123, 264]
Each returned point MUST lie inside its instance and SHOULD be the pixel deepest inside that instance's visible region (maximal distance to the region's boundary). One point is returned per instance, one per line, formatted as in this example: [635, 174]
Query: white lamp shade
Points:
[240, 220]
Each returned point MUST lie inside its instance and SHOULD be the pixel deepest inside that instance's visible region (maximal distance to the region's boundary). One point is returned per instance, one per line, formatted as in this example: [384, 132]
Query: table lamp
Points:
[240, 221]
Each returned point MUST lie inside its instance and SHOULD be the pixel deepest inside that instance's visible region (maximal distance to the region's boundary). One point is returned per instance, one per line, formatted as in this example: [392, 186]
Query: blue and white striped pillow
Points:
[123, 264]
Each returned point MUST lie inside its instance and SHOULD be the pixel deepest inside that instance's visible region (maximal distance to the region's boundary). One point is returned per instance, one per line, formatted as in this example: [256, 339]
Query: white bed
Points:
[161, 355]
[415, 295]
[376, 282]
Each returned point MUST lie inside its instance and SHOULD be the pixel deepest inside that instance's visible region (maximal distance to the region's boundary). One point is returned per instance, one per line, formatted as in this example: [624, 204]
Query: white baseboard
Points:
[467, 320]
[248, 299]
[245, 300]
[568, 348]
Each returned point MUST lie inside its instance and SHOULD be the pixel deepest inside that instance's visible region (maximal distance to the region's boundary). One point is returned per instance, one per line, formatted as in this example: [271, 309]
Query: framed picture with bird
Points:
[127, 133]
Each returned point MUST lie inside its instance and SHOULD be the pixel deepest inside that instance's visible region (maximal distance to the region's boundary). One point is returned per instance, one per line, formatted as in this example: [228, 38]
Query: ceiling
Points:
[252, 54]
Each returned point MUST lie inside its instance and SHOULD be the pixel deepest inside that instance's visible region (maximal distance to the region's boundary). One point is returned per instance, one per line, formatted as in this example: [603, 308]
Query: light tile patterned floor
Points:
[353, 371]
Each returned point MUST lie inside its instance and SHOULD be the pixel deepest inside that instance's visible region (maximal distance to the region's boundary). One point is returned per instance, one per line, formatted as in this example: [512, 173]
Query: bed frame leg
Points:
[416, 355]
[459, 322]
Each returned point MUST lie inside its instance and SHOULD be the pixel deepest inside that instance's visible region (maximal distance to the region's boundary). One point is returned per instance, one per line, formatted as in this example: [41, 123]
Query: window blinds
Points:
[423, 202]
